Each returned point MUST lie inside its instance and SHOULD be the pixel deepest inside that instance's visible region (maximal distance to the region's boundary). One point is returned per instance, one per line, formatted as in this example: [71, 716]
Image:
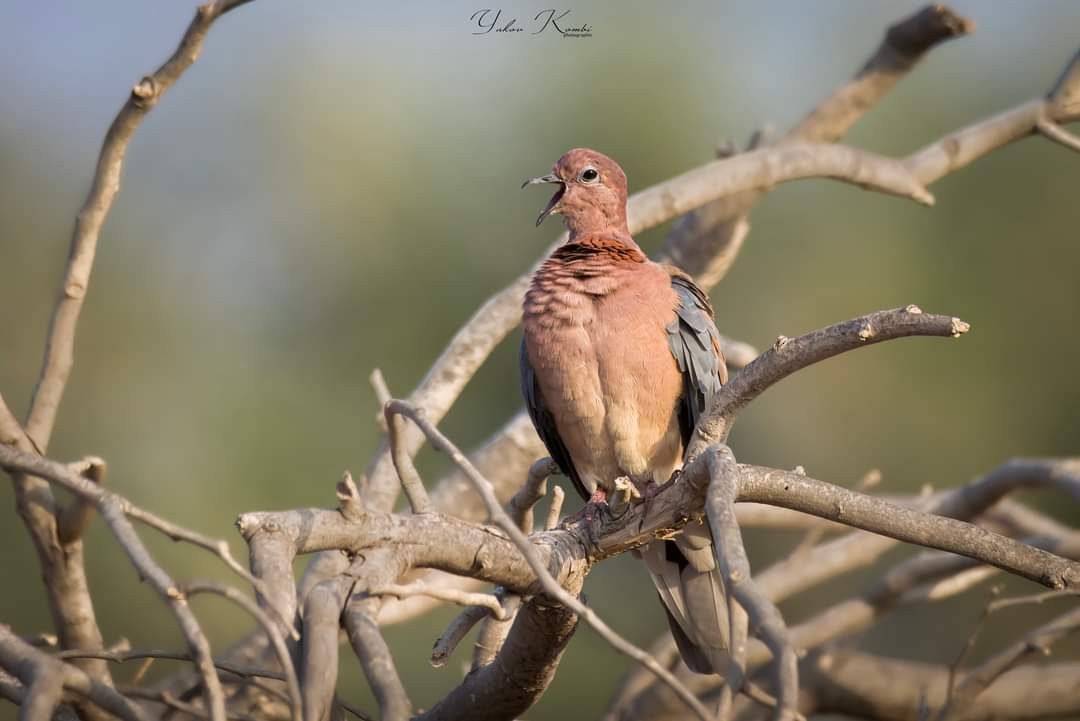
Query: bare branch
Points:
[59, 349]
[521, 672]
[557, 496]
[71, 477]
[1052, 131]
[904, 44]
[271, 629]
[74, 520]
[45, 677]
[382, 396]
[706, 242]
[860, 685]
[378, 664]
[455, 632]
[62, 567]
[484, 600]
[493, 632]
[319, 659]
[871, 514]
[735, 566]
[789, 355]
[407, 473]
[964, 146]
[1038, 641]
[535, 487]
[167, 589]
[13, 691]
[135, 654]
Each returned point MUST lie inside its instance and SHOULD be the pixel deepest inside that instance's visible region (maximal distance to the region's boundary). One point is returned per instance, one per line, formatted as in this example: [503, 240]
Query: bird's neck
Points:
[597, 220]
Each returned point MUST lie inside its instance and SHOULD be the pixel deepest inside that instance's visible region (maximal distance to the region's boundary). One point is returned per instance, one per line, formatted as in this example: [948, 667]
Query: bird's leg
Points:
[593, 508]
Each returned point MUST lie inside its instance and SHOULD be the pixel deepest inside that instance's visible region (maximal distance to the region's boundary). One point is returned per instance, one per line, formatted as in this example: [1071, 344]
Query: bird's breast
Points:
[602, 361]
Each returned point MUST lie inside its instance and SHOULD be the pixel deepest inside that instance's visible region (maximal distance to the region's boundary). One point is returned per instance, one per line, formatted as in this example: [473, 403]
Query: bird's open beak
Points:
[553, 204]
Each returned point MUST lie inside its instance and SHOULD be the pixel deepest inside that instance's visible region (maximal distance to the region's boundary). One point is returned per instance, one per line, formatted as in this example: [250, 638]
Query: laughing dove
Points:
[619, 358]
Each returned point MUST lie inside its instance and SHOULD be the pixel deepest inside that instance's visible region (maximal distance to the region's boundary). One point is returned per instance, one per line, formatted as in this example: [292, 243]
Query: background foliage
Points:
[334, 187]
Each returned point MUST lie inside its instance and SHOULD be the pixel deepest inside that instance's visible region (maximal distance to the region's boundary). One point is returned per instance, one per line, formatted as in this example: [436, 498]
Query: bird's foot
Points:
[593, 511]
[590, 511]
[623, 496]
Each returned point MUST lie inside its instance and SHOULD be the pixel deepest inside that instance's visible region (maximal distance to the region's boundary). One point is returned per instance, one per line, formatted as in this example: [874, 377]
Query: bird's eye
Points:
[589, 175]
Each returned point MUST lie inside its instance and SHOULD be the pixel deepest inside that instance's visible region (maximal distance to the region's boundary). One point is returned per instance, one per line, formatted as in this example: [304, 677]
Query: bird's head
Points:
[591, 195]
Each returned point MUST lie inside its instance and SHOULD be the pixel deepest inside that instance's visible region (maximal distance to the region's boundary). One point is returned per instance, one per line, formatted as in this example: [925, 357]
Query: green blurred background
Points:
[334, 187]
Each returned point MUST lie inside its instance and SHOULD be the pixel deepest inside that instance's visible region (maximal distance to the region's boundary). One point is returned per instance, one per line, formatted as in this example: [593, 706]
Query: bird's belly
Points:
[618, 391]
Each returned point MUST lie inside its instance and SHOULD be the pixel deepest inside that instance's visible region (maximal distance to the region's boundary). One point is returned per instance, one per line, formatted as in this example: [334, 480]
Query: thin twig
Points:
[137, 654]
[382, 397]
[982, 677]
[411, 482]
[1052, 131]
[72, 478]
[484, 600]
[148, 569]
[457, 630]
[45, 677]
[789, 355]
[521, 505]
[268, 625]
[976, 681]
[165, 698]
[557, 497]
[73, 521]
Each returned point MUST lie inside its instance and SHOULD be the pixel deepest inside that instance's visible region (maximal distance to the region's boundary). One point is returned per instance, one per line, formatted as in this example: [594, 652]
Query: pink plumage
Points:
[620, 355]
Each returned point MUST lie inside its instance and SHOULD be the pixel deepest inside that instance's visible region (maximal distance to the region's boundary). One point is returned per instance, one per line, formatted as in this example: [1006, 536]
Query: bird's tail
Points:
[692, 591]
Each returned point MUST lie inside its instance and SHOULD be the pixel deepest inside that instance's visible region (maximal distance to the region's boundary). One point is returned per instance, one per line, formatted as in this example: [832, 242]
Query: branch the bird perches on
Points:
[373, 567]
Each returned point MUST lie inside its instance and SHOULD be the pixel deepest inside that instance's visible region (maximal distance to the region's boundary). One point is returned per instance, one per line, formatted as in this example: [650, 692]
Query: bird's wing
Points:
[684, 570]
[695, 343]
[545, 424]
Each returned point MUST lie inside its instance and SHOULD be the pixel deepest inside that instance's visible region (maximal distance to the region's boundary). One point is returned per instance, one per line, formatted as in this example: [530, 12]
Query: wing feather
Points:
[695, 343]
